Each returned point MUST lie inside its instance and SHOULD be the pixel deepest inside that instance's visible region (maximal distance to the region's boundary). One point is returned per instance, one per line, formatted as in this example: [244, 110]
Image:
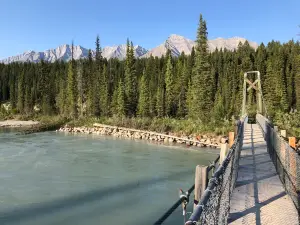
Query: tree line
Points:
[203, 85]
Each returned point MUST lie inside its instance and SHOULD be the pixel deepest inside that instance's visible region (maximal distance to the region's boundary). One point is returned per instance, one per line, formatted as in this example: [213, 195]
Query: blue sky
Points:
[42, 24]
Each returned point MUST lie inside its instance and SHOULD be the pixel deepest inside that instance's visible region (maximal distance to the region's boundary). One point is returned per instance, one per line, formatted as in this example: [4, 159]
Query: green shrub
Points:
[161, 125]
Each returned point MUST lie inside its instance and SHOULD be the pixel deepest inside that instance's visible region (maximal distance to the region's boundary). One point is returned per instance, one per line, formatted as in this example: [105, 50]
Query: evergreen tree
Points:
[219, 110]
[80, 90]
[104, 92]
[61, 98]
[160, 102]
[98, 54]
[12, 88]
[130, 81]
[97, 79]
[45, 89]
[297, 81]
[284, 97]
[182, 96]
[169, 85]
[29, 89]
[90, 103]
[202, 82]
[121, 100]
[260, 60]
[143, 104]
[156, 81]
[72, 88]
[21, 92]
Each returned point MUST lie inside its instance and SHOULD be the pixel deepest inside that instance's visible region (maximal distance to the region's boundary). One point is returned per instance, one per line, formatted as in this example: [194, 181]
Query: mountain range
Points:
[175, 43]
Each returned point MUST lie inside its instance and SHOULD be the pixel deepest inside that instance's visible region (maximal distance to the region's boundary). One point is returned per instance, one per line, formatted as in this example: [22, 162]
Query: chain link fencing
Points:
[213, 208]
[285, 159]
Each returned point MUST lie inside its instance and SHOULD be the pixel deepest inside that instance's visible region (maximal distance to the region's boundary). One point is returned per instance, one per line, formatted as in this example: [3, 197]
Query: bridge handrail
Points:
[285, 159]
[213, 208]
[183, 198]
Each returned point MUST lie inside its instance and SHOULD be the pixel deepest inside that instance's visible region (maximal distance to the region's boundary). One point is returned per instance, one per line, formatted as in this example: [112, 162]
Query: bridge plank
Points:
[259, 196]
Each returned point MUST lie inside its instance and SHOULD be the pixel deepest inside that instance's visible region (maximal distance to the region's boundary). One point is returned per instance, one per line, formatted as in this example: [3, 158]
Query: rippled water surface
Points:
[55, 178]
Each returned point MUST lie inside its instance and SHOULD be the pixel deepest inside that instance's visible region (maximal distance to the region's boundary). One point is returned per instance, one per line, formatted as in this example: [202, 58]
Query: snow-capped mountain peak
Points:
[64, 52]
[175, 43]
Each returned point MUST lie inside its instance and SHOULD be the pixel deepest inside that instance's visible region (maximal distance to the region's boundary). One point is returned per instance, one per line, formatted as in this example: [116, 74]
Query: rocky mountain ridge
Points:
[175, 43]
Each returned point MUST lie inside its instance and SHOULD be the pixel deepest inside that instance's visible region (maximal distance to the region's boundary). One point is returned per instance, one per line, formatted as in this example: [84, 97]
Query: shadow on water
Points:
[41, 209]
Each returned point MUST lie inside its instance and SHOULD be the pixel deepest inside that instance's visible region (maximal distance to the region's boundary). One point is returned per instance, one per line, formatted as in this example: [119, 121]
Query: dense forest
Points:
[203, 86]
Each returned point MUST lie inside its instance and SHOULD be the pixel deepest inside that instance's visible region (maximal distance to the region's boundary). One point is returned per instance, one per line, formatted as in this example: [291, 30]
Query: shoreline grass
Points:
[161, 125]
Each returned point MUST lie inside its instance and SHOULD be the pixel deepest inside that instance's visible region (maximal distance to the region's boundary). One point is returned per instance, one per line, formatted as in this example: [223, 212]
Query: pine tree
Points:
[160, 102]
[156, 81]
[5, 83]
[70, 91]
[297, 81]
[12, 88]
[202, 82]
[104, 92]
[72, 88]
[121, 100]
[80, 90]
[97, 79]
[219, 110]
[169, 85]
[44, 91]
[182, 95]
[90, 89]
[61, 98]
[98, 54]
[284, 97]
[260, 60]
[28, 99]
[189, 97]
[114, 101]
[130, 81]
[21, 92]
[143, 104]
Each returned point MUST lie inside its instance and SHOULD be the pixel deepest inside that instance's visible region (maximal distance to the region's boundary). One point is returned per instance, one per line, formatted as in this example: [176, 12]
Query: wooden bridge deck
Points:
[259, 196]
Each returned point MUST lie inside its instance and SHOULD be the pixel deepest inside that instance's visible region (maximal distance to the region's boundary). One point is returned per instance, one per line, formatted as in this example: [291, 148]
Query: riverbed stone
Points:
[171, 140]
[206, 140]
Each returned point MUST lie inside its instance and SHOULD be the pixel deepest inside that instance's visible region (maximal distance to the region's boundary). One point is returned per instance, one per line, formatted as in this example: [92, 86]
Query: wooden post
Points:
[236, 127]
[283, 133]
[200, 183]
[231, 139]
[292, 142]
[223, 153]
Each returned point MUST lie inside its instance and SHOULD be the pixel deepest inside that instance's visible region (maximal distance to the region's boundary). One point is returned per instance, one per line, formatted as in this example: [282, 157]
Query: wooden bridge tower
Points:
[256, 85]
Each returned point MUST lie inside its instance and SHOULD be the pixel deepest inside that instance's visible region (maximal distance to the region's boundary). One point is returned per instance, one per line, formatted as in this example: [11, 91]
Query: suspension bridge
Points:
[255, 181]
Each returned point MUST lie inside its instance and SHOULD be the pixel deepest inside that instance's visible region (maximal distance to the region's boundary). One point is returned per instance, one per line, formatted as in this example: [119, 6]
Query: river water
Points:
[57, 178]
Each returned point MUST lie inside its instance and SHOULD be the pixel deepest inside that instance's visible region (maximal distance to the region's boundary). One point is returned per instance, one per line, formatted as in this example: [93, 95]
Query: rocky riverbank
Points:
[18, 123]
[101, 129]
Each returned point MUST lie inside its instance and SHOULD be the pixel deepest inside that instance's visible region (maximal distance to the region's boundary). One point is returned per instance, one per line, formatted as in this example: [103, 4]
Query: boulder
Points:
[224, 140]
[208, 141]
[171, 140]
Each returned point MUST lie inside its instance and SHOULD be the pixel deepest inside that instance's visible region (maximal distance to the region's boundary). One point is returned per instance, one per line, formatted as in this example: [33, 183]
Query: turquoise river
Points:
[56, 178]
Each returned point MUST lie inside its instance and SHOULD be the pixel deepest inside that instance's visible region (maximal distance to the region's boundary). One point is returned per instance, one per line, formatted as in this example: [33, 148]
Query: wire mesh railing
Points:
[285, 159]
[184, 198]
[213, 208]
